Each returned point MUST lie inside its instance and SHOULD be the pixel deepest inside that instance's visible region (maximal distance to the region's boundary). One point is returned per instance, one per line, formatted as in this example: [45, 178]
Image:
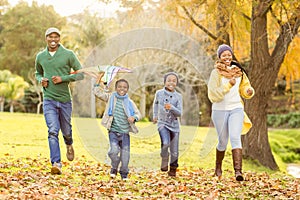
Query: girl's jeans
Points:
[169, 140]
[228, 124]
[58, 117]
[119, 143]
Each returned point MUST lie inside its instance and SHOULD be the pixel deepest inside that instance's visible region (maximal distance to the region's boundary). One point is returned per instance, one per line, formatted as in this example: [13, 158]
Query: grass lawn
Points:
[25, 135]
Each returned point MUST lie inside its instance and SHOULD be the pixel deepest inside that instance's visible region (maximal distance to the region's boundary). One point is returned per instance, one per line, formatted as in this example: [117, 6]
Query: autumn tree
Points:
[23, 35]
[4, 89]
[12, 89]
[266, 58]
[265, 65]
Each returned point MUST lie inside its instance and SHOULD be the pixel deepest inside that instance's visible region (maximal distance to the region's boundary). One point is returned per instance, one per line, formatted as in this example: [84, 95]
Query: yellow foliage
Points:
[290, 68]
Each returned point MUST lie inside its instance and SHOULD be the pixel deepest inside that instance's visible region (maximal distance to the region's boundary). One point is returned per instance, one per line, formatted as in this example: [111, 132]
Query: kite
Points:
[103, 73]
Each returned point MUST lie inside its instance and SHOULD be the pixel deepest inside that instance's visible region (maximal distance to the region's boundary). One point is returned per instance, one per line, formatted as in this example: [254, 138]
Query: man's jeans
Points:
[169, 139]
[119, 143]
[58, 117]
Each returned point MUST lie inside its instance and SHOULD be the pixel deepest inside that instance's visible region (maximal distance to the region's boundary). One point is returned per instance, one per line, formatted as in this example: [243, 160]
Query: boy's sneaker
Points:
[70, 152]
[56, 168]
[113, 173]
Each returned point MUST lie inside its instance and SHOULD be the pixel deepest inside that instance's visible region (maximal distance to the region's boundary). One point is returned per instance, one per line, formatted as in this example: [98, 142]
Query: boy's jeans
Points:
[169, 139]
[119, 143]
[58, 117]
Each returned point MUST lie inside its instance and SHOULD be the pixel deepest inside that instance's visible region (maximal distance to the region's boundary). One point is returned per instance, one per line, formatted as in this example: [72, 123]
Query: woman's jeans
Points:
[169, 140]
[119, 143]
[228, 124]
[58, 117]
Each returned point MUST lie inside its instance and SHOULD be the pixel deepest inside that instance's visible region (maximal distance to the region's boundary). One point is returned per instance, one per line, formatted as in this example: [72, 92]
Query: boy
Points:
[119, 118]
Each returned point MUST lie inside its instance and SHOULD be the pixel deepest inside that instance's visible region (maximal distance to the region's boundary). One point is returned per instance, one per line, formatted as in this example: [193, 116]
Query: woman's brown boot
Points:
[237, 163]
[219, 158]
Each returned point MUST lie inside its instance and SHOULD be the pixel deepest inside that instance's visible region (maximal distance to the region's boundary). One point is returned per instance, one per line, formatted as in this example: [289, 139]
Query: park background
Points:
[151, 38]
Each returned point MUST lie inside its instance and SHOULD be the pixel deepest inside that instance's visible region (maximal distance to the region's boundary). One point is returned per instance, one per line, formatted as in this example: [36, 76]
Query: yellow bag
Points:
[247, 124]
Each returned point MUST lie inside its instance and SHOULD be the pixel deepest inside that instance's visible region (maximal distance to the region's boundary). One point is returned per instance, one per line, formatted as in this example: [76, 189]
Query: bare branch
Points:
[197, 24]
[264, 8]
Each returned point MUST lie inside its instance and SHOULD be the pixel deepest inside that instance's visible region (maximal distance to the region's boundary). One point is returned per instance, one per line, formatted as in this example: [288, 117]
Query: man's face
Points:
[52, 41]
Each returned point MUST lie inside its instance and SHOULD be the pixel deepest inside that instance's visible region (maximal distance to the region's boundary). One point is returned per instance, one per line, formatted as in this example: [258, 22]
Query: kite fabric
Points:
[105, 73]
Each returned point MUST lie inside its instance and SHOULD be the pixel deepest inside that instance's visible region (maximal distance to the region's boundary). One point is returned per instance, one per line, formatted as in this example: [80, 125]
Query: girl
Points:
[167, 108]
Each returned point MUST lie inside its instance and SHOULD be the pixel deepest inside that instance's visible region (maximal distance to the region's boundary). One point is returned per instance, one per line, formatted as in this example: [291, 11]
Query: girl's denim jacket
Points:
[168, 119]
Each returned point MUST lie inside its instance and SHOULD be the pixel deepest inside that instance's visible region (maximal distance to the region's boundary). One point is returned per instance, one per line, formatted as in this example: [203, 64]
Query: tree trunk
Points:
[11, 108]
[2, 100]
[264, 69]
[38, 109]
[222, 24]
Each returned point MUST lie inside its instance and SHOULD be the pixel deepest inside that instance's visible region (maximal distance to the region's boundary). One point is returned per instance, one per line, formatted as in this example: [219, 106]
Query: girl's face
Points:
[226, 57]
[122, 88]
[171, 82]
[52, 41]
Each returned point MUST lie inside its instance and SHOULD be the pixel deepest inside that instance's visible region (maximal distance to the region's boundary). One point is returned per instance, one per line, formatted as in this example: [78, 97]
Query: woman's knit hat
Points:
[170, 73]
[222, 48]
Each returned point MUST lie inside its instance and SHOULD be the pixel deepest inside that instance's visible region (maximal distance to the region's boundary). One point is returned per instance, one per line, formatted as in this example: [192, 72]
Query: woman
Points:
[228, 84]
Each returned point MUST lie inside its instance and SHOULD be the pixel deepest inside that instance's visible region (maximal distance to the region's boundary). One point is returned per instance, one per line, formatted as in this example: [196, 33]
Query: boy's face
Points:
[171, 83]
[122, 88]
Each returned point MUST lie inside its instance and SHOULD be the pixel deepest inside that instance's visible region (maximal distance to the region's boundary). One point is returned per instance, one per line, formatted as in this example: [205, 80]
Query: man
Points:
[53, 66]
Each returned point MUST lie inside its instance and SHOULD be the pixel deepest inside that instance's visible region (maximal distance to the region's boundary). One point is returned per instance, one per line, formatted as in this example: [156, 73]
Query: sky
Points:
[69, 7]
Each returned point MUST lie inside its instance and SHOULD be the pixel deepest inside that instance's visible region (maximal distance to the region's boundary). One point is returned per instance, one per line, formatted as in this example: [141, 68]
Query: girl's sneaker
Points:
[113, 173]
[124, 177]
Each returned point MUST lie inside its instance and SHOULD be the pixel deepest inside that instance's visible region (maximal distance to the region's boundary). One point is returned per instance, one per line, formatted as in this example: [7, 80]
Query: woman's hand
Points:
[232, 81]
[249, 91]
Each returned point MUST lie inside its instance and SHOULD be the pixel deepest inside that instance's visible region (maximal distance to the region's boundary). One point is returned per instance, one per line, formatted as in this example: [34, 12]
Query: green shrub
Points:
[145, 119]
[285, 143]
[291, 120]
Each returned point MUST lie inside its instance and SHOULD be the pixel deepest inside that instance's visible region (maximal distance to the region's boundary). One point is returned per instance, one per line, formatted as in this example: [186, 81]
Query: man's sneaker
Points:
[56, 168]
[113, 173]
[70, 152]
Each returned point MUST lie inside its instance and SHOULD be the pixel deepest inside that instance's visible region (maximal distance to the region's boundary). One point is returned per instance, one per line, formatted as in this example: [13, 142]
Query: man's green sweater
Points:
[60, 64]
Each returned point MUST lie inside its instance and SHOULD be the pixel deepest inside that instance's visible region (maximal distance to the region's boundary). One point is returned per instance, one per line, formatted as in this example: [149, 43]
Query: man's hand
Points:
[56, 79]
[44, 82]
